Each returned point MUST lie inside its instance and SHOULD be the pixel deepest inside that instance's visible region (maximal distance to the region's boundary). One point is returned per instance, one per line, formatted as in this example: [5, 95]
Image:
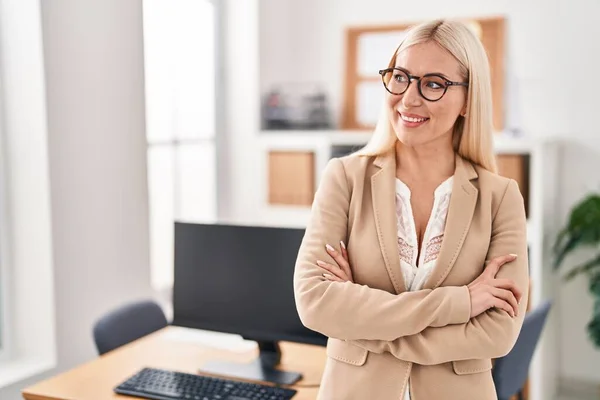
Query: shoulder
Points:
[339, 179]
[354, 163]
[350, 166]
[491, 182]
[499, 189]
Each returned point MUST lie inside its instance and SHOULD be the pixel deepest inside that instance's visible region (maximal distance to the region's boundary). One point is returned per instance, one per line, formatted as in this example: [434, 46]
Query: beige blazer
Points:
[380, 335]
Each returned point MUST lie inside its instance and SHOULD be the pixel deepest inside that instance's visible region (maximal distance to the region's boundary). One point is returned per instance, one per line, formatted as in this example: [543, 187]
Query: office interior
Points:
[122, 121]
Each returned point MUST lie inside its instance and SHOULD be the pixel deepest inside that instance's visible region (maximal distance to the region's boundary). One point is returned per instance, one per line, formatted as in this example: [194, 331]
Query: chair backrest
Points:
[126, 324]
[510, 372]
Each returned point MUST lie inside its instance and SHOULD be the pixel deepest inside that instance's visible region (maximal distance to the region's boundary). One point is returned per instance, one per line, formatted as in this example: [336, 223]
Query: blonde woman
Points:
[414, 261]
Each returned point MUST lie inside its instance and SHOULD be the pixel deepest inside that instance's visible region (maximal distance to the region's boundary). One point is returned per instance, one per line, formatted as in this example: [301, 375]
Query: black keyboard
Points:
[158, 384]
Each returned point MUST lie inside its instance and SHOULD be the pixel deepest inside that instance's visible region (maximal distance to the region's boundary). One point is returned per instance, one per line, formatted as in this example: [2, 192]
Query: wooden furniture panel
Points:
[291, 178]
[96, 379]
[493, 39]
[516, 166]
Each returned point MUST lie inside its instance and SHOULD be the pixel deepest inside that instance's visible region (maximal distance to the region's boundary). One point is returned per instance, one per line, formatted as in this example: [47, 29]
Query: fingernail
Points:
[342, 244]
[319, 262]
[514, 255]
[329, 247]
[327, 276]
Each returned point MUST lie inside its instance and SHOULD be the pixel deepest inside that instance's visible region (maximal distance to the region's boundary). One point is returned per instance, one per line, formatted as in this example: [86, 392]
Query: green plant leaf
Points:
[587, 267]
[572, 242]
[595, 289]
[593, 327]
[582, 229]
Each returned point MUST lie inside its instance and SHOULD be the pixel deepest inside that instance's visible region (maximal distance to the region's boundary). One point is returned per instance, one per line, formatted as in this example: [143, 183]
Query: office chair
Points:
[126, 324]
[510, 372]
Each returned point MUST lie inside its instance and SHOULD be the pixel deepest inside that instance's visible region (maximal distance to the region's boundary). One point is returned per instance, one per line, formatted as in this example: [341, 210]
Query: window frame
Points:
[215, 141]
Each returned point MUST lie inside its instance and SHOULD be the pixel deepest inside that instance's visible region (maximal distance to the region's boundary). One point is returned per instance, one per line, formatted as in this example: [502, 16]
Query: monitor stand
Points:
[262, 369]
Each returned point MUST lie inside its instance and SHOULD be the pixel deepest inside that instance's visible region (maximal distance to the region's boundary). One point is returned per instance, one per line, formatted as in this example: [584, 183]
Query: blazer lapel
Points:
[383, 191]
[460, 213]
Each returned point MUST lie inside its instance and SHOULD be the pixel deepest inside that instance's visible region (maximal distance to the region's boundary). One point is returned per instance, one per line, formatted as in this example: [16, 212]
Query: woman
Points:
[433, 281]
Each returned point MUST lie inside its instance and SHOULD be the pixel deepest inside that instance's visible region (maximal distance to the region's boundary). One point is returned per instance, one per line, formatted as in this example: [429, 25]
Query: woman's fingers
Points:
[494, 265]
[344, 251]
[339, 259]
[333, 270]
[332, 278]
[503, 305]
[337, 256]
[508, 284]
[509, 297]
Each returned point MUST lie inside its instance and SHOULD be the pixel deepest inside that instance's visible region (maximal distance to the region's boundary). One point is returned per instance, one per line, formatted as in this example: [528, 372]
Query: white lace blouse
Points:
[416, 271]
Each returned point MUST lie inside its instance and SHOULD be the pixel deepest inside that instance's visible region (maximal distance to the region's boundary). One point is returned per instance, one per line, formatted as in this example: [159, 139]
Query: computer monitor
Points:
[239, 279]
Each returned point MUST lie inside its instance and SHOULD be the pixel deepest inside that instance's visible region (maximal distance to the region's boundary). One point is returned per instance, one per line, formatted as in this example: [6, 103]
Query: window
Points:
[180, 75]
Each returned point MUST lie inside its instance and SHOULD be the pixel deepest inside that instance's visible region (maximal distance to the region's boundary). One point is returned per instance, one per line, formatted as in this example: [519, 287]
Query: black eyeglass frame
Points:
[411, 78]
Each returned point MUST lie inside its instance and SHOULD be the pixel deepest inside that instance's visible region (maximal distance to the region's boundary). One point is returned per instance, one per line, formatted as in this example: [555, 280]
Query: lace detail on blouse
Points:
[406, 250]
[416, 271]
[433, 248]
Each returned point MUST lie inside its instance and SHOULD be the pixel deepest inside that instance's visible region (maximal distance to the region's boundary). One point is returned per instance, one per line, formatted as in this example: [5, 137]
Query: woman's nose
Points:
[411, 97]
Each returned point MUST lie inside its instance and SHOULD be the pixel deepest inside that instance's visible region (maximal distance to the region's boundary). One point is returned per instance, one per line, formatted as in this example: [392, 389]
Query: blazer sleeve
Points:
[353, 311]
[491, 334]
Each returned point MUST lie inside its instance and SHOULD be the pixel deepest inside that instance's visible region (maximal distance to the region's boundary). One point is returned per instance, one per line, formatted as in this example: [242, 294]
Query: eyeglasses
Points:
[432, 87]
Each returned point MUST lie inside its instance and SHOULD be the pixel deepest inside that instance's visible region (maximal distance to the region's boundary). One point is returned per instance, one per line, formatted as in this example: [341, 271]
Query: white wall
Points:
[97, 155]
[550, 58]
[29, 244]
[95, 85]
[241, 118]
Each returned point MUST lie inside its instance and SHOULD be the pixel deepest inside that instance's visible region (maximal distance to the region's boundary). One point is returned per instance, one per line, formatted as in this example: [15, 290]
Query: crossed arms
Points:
[425, 326]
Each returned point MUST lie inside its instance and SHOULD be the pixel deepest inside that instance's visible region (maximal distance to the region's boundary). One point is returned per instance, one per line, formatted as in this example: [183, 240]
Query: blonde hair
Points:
[473, 133]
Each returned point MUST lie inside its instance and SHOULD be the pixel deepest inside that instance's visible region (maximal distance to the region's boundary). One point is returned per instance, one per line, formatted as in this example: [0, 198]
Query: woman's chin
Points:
[421, 137]
[411, 139]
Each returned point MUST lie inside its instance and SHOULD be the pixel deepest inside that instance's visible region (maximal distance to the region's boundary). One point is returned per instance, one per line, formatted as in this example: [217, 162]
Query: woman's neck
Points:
[424, 163]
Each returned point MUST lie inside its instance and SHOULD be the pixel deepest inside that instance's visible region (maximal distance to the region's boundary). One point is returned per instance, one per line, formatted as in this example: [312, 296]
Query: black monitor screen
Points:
[238, 279]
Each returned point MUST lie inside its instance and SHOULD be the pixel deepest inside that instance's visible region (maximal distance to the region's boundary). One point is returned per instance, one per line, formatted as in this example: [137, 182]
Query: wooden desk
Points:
[96, 379]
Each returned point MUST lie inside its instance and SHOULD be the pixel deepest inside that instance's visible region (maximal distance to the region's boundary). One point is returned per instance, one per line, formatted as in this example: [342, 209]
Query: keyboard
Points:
[159, 384]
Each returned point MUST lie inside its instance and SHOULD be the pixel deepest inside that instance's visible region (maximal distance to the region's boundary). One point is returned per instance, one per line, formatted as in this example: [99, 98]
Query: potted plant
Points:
[583, 231]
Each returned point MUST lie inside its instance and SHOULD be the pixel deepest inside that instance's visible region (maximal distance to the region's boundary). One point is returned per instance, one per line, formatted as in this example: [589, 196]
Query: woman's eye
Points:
[434, 85]
[399, 78]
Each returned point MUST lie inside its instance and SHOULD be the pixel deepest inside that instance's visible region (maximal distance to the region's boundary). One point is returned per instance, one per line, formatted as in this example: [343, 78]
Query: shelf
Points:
[311, 139]
[314, 137]
[505, 144]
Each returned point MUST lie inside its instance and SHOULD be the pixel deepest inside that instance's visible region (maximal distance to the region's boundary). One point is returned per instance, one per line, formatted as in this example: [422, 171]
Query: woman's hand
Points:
[488, 292]
[341, 272]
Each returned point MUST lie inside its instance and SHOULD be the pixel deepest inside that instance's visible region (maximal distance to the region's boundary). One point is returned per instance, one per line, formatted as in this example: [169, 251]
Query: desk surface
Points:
[96, 379]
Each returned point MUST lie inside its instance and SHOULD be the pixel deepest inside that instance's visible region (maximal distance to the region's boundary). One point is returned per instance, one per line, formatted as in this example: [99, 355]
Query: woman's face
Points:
[417, 121]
